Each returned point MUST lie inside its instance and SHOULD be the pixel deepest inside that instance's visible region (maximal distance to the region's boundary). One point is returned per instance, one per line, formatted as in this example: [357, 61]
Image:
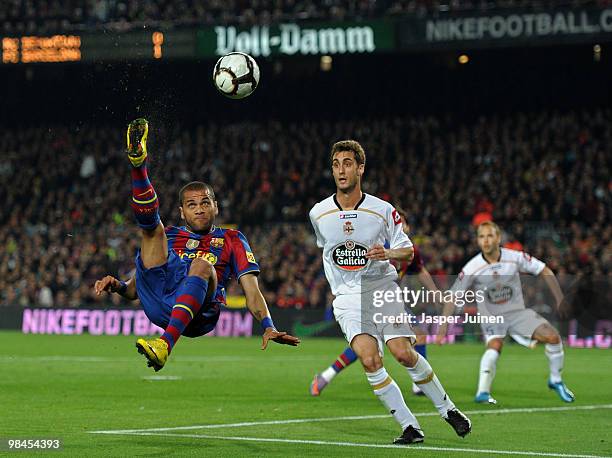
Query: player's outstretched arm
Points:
[257, 306]
[111, 284]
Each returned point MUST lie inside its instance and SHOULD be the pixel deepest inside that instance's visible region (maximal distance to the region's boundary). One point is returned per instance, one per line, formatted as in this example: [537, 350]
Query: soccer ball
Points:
[236, 75]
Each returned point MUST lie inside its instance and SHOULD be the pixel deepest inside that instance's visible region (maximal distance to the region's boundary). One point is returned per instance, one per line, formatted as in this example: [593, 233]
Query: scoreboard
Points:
[58, 48]
[141, 45]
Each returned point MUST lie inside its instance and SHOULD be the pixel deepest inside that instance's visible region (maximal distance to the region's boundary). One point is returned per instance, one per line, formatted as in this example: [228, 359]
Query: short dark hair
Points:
[349, 145]
[196, 186]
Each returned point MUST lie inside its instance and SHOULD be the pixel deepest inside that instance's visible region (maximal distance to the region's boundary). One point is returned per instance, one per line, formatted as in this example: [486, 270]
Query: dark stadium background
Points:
[493, 81]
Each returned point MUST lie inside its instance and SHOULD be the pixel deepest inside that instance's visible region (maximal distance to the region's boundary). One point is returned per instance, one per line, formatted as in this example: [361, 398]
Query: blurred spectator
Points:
[50, 16]
[45, 296]
[88, 166]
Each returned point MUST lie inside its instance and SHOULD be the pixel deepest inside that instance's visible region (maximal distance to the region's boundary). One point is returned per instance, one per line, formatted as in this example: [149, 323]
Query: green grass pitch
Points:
[68, 386]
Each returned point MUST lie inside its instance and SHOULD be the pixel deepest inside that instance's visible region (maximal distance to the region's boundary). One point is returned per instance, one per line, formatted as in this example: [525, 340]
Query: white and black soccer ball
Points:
[236, 75]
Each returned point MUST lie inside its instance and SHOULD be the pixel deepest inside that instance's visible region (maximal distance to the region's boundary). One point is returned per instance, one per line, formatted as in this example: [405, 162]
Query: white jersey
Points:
[346, 236]
[500, 281]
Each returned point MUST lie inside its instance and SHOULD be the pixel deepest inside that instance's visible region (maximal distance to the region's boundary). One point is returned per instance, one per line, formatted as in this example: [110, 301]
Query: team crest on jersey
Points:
[250, 257]
[192, 244]
[348, 228]
[350, 255]
[217, 242]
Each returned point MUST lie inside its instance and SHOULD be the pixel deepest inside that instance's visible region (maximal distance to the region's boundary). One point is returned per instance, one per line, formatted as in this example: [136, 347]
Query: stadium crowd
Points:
[66, 219]
[50, 16]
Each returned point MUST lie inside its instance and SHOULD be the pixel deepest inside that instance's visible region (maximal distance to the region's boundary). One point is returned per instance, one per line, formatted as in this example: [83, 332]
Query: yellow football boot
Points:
[137, 133]
[155, 350]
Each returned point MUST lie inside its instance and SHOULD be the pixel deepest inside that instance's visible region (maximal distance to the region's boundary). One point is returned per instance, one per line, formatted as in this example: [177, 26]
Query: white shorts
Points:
[520, 324]
[355, 319]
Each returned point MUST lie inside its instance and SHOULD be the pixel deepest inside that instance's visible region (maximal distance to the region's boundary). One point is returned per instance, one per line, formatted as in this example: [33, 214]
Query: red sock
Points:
[144, 199]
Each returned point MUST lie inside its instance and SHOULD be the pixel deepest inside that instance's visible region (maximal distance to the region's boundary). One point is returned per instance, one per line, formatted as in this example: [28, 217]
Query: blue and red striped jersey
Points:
[226, 249]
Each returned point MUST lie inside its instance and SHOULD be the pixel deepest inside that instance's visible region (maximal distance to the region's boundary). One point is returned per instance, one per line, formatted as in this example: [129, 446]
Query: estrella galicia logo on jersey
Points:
[217, 242]
[348, 215]
[250, 257]
[348, 228]
[499, 294]
[350, 255]
[192, 244]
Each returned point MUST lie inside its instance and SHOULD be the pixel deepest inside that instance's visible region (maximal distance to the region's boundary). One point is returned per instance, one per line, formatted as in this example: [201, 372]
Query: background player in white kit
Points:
[352, 227]
[496, 272]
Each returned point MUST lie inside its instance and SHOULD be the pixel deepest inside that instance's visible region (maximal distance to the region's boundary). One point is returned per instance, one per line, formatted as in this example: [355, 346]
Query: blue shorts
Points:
[157, 288]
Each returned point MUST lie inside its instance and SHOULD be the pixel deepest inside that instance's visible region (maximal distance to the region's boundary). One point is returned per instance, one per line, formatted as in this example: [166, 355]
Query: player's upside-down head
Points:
[198, 206]
[348, 164]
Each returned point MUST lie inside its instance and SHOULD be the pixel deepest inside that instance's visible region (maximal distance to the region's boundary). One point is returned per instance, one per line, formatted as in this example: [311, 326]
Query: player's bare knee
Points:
[402, 351]
[555, 339]
[552, 337]
[547, 334]
[201, 268]
[406, 357]
[371, 363]
[158, 232]
[212, 280]
[496, 344]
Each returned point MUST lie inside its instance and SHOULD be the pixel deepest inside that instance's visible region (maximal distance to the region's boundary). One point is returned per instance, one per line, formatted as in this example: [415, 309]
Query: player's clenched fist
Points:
[377, 253]
[109, 284]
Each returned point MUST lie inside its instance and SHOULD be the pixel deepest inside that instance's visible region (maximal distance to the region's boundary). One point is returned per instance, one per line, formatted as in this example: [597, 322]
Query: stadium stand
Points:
[71, 225]
[47, 16]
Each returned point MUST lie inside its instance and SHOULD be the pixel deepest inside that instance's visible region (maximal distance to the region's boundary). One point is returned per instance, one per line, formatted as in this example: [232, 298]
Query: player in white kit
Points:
[352, 228]
[495, 271]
